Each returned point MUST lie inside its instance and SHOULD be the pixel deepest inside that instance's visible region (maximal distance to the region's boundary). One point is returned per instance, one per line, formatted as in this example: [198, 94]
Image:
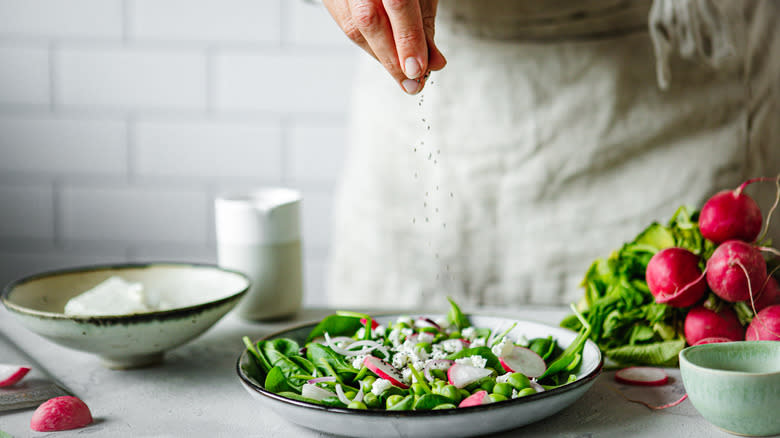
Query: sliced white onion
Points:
[314, 392]
[322, 379]
[341, 395]
[359, 395]
[535, 385]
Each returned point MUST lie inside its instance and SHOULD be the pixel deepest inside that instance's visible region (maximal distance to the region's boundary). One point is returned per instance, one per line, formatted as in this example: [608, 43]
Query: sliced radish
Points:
[642, 376]
[427, 322]
[523, 360]
[476, 399]
[436, 364]
[60, 413]
[314, 392]
[460, 375]
[712, 340]
[10, 374]
[322, 379]
[385, 371]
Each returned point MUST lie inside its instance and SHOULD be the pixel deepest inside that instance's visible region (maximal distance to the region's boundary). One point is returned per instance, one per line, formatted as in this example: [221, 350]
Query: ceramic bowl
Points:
[470, 421]
[198, 295]
[735, 385]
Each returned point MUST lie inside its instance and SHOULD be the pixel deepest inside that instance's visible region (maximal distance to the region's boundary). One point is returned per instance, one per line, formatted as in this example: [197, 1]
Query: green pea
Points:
[518, 381]
[393, 400]
[357, 405]
[463, 393]
[451, 393]
[444, 406]
[418, 389]
[487, 384]
[371, 400]
[437, 385]
[497, 397]
[455, 335]
[350, 394]
[504, 389]
[367, 383]
[526, 391]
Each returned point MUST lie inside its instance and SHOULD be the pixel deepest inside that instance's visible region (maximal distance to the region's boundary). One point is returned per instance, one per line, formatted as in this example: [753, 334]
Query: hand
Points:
[398, 33]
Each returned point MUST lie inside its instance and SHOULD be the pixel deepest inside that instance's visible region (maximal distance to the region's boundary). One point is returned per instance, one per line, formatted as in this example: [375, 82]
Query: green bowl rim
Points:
[126, 318]
[721, 345]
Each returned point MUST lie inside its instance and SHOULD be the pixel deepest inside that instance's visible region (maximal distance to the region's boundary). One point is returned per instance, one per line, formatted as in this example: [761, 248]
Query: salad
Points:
[349, 360]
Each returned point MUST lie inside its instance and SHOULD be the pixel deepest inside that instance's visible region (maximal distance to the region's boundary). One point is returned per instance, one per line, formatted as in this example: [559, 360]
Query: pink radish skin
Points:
[674, 277]
[702, 322]
[642, 376]
[60, 413]
[725, 275]
[765, 325]
[525, 361]
[476, 399]
[769, 296]
[460, 375]
[11, 374]
[385, 371]
[713, 340]
[730, 214]
[374, 324]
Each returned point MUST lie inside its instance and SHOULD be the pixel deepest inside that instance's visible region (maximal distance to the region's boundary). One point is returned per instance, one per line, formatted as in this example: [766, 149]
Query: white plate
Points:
[476, 420]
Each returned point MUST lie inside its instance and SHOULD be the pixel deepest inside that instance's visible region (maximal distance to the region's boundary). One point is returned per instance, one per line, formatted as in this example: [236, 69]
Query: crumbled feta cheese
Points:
[469, 333]
[425, 337]
[357, 361]
[407, 375]
[475, 361]
[479, 342]
[502, 348]
[395, 336]
[379, 386]
[379, 331]
[503, 378]
[443, 322]
[452, 345]
[361, 333]
[407, 332]
[515, 393]
[403, 319]
[400, 359]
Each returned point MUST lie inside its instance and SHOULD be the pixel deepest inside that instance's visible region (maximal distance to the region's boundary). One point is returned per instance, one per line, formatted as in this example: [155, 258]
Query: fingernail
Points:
[411, 86]
[412, 68]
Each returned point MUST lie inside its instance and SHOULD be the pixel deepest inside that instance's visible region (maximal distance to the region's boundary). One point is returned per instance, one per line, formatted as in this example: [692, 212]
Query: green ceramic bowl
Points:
[735, 385]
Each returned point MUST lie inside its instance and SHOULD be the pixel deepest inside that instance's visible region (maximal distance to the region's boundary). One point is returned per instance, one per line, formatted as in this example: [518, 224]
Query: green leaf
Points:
[456, 317]
[276, 381]
[569, 354]
[430, 401]
[317, 353]
[656, 236]
[335, 325]
[658, 353]
[296, 396]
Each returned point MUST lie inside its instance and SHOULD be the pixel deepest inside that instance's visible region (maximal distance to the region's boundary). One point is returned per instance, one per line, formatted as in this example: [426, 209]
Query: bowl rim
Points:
[123, 318]
[250, 383]
[724, 346]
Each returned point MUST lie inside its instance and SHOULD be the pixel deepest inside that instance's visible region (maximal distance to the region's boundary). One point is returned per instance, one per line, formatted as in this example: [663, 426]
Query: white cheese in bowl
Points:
[114, 296]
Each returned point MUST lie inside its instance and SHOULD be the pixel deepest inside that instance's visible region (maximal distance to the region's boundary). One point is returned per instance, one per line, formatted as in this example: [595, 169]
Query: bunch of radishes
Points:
[736, 272]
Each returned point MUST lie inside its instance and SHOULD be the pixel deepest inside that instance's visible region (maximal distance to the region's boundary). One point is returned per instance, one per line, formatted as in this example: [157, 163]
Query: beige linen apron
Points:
[553, 135]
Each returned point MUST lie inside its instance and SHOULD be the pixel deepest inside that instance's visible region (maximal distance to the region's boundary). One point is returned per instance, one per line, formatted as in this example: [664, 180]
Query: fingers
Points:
[436, 60]
[410, 42]
[339, 10]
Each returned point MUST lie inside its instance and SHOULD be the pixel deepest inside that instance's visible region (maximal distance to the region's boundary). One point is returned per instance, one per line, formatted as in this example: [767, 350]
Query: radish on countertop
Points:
[61, 413]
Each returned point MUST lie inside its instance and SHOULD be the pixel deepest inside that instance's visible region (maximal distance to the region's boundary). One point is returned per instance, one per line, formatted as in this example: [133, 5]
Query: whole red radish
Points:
[715, 340]
[768, 296]
[702, 322]
[730, 214]
[674, 277]
[731, 266]
[765, 325]
[60, 413]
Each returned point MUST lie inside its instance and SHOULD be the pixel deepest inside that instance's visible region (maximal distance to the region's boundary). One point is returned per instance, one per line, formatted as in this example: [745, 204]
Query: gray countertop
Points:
[196, 392]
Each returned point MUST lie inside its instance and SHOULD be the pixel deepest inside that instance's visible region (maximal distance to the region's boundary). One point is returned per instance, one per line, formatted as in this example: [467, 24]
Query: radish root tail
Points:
[771, 210]
[752, 301]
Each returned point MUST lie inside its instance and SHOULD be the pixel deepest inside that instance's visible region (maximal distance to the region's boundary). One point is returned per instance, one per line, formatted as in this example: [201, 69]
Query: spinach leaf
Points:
[658, 353]
[276, 381]
[335, 325]
[286, 366]
[456, 317]
[319, 354]
[429, 401]
[485, 352]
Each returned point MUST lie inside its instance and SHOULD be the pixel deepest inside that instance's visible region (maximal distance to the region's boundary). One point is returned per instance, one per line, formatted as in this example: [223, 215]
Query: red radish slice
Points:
[10, 374]
[476, 399]
[712, 340]
[60, 413]
[427, 322]
[385, 371]
[523, 360]
[642, 376]
[460, 375]
[314, 392]
[374, 324]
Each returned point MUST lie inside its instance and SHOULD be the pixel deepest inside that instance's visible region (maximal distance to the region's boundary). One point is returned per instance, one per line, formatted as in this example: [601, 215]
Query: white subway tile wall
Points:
[121, 120]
